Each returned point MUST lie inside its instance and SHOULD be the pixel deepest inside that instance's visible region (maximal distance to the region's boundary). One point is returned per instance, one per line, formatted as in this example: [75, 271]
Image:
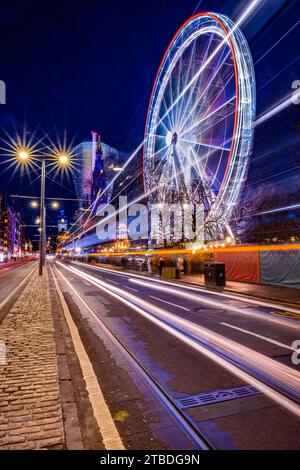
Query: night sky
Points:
[91, 65]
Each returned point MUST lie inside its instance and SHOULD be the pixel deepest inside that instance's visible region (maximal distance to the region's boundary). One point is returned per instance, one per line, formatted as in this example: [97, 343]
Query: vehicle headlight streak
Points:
[225, 352]
[196, 293]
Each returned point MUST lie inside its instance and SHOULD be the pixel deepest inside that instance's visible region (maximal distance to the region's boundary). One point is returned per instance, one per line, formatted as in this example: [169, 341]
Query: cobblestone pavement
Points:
[30, 408]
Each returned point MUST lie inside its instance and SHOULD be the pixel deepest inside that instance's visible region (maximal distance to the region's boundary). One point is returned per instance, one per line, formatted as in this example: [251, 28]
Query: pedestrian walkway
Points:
[30, 407]
[276, 293]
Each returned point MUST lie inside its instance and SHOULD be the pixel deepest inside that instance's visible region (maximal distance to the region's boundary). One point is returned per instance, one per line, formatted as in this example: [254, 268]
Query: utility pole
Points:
[42, 220]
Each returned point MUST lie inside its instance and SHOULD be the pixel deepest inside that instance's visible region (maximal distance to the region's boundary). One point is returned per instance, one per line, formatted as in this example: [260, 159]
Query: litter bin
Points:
[214, 274]
[170, 272]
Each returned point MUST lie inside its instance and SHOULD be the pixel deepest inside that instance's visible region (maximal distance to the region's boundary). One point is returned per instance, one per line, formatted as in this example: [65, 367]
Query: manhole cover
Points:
[217, 396]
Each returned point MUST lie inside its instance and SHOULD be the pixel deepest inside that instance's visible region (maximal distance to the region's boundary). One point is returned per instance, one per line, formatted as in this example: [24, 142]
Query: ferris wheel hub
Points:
[171, 138]
[174, 138]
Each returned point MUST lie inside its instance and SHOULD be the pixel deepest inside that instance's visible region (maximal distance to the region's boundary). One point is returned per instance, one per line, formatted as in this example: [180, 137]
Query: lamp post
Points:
[63, 160]
[42, 219]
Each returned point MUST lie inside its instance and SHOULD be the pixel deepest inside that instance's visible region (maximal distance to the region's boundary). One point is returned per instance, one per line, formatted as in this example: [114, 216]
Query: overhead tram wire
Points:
[277, 74]
[277, 42]
[277, 108]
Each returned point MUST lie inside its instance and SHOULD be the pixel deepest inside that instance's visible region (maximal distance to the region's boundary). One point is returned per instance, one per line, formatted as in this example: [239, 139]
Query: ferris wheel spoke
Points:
[167, 117]
[205, 176]
[185, 105]
[160, 122]
[157, 136]
[193, 164]
[179, 74]
[191, 94]
[205, 118]
[215, 123]
[202, 144]
[219, 108]
[172, 111]
[202, 98]
[220, 92]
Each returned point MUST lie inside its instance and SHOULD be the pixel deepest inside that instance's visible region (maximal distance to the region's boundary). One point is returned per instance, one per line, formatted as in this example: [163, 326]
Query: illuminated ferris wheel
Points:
[199, 126]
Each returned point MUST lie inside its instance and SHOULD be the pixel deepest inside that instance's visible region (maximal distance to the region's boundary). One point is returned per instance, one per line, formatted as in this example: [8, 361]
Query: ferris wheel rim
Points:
[228, 185]
[175, 36]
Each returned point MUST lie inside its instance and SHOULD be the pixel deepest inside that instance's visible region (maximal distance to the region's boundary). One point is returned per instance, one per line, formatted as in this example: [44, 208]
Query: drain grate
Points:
[217, 396]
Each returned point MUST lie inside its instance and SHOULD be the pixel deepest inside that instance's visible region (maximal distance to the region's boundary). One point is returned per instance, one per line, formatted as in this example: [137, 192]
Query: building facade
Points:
[11, 233]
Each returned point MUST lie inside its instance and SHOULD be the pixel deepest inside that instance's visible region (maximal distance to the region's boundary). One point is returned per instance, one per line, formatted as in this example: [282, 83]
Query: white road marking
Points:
[170, 303]
[110, 435]
[270, 340]
[131, 288]
[114, 282]
[200, 290]
[280, 371]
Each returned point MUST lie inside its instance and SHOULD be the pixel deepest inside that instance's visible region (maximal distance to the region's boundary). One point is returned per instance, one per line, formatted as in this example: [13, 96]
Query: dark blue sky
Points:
[91, 64]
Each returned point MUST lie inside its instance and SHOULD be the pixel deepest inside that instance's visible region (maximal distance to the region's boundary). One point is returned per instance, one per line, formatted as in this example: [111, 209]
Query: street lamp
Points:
[23, 154]
[34, 204]
[55, 205]
[63, 160]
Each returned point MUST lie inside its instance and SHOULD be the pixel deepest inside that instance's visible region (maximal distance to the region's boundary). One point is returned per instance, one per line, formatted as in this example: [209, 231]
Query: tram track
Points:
[172, 407]
[275, 390]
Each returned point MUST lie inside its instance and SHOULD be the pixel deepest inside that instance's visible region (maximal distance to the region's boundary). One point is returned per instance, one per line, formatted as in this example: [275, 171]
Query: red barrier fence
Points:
[241, 266]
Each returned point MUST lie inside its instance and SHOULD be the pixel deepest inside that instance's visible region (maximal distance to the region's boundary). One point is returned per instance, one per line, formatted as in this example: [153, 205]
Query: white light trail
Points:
[201, 290]
[279, 209]
[254, 4]
[241, 19]
[277, 42]
[214, 303]
[264, 338]
[277, 108]
[205, 341]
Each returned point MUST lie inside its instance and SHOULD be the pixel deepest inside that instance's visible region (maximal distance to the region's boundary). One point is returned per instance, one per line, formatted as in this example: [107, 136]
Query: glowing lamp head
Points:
[23, 155]
[55, 205]
[63, 159]
[34, 204]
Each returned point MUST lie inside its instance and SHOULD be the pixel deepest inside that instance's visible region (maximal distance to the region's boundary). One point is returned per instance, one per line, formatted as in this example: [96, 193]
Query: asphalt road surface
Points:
[10, 279]
[182, 367]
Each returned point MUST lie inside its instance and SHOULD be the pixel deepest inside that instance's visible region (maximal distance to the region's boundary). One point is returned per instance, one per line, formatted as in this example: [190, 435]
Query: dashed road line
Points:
[269, 340]
[170, 303]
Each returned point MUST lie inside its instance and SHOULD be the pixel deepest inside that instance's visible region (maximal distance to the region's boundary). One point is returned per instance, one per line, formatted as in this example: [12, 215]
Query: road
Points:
[219, 364]
[12, 278]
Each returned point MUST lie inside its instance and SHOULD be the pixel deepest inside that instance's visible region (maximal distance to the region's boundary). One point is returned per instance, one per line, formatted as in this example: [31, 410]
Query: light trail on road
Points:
[202, 299]
[275, 380]
[282, 345]
[173, 289]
